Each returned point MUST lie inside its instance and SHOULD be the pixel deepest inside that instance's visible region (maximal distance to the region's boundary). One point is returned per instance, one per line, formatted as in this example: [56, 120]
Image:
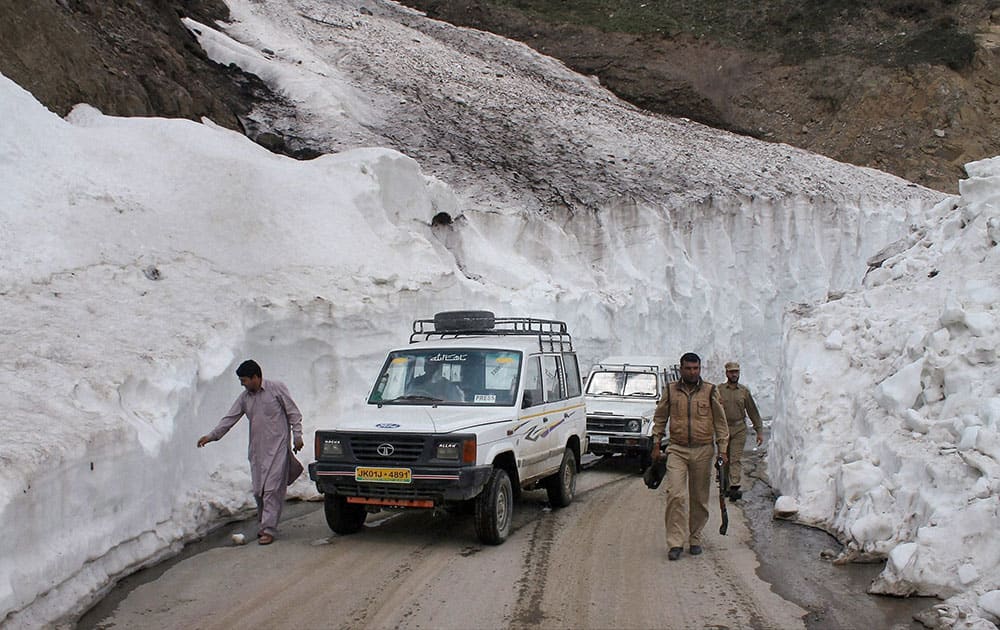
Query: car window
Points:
[465, 376]
[532, 383]
[573, 383]
[606, 383]
[640, 384]
[552, 380]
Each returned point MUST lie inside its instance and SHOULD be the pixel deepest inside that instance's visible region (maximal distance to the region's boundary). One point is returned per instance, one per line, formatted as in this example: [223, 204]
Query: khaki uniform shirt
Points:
[738, 404]
[696, 416]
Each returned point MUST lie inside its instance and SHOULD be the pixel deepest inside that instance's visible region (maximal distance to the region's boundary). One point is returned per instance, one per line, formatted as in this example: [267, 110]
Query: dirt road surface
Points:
[599, 563]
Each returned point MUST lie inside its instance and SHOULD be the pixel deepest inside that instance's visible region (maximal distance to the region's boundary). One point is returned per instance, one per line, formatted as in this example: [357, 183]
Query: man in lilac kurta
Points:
[272, 413]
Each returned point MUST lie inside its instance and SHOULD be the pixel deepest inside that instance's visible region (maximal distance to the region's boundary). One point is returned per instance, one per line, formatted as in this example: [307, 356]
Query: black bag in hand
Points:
[655, 473]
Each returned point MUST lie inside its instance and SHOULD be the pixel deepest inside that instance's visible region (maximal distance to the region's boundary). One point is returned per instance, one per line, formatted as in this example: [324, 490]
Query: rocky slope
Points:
[906, 86]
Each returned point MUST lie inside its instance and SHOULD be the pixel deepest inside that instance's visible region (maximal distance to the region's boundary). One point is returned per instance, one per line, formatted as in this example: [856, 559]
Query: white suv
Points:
[473, 409]
[621, 394]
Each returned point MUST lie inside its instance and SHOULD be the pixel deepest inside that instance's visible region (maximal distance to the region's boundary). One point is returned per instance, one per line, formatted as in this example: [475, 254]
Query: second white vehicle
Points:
[621, 394]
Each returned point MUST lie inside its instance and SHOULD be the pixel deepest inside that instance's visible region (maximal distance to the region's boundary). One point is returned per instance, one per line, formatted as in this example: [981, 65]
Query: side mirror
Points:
[527, 401]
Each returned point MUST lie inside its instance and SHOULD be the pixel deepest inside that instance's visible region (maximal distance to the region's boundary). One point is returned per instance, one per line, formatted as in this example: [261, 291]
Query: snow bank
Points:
[890, 438]
[140, 261]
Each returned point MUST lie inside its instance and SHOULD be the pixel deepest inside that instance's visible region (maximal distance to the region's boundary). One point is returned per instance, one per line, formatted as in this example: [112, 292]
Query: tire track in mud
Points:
[377, 600]
[529, 610]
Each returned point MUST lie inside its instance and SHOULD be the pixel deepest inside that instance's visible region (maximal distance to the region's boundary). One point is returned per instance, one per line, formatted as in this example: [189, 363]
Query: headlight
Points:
[448, 450]
[632, 426]
[457, 450]
[331, 447]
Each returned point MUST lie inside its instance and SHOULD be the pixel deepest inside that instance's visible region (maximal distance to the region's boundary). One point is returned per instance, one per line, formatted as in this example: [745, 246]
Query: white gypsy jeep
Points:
[474, 409]
[621, 394]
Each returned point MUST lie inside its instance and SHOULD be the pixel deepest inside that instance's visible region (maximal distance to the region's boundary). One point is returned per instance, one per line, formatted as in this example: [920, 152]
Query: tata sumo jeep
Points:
[621, 395]
[473, 410]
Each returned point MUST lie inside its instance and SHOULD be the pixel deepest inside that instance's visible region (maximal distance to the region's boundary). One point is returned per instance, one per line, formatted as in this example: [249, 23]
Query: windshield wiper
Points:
[416, 397]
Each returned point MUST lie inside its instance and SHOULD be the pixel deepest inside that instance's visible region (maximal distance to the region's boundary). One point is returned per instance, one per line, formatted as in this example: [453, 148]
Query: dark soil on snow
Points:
[911, 87]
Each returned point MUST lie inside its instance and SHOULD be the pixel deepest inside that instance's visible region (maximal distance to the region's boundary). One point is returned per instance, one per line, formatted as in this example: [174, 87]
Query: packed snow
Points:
[142, 259]
[887, 423]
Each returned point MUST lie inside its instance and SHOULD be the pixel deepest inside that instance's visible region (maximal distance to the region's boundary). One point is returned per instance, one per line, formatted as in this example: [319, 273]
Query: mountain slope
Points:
[908, 87]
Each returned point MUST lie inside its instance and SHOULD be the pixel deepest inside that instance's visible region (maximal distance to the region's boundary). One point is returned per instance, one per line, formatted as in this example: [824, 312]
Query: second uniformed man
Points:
[738, 404]
[697, 420]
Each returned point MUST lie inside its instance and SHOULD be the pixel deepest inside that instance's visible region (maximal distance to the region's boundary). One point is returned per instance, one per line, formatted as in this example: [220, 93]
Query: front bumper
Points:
[628, 443]
[434, 484]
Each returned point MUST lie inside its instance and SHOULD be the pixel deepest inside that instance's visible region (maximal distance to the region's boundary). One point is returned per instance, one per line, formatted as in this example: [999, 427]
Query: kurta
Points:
[272, 413]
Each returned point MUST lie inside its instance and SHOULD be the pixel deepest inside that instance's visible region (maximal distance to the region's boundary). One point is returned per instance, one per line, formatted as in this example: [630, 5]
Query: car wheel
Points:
[494, 508]
[343, 517]
[561, 487]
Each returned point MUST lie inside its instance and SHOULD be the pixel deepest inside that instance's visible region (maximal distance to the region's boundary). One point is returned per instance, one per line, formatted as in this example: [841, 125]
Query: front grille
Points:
[607, 423]
[405, 448]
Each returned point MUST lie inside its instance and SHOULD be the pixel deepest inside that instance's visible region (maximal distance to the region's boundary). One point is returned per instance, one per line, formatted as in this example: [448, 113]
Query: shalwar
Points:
[272, 413]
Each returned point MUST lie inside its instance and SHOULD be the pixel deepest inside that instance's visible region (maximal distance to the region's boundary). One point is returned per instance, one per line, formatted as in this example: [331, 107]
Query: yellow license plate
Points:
[383, 475]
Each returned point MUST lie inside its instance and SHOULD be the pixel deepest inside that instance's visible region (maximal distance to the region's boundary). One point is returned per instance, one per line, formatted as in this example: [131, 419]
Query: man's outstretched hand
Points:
[203, 440]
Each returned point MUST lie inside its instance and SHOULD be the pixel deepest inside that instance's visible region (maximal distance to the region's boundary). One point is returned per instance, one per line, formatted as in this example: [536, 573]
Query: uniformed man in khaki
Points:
[697, 420]
[738, 404]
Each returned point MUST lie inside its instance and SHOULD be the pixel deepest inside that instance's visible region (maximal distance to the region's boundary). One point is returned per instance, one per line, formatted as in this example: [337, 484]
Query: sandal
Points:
[265, 539]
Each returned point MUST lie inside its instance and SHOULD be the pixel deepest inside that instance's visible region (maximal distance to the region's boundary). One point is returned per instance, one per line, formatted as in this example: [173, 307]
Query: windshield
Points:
[622, 384]
[474, 377]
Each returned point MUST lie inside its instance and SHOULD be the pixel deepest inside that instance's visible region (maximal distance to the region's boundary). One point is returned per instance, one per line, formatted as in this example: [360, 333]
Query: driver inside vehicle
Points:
[433, 383]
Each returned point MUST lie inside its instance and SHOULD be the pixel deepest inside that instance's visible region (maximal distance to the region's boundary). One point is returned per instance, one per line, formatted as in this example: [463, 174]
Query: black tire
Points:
[463, 321]
[343, 517]
[495, 508]
[561, 487]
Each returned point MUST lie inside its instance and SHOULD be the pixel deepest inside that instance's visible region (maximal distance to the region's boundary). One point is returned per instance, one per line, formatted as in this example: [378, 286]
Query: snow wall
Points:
[898, 385]
[144, 258]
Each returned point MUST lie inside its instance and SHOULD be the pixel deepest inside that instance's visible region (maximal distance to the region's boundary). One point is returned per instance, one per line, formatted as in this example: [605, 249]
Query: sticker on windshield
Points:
[485, 398]
[459, 358]
[399, 360]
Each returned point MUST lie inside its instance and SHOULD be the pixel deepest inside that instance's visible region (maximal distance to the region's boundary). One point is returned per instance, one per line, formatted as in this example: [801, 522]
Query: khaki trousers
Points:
[689, 477]
[737, 442]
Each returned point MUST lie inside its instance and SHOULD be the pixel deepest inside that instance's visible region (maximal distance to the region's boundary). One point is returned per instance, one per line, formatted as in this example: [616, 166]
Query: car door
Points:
[533, 421]
[554, 428]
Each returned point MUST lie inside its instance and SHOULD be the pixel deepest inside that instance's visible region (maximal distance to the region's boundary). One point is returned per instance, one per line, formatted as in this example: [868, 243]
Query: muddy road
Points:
[600, 563]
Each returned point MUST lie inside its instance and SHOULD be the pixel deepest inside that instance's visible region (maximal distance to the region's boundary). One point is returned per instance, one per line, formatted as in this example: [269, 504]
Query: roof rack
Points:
[552, 335]
[625, 366]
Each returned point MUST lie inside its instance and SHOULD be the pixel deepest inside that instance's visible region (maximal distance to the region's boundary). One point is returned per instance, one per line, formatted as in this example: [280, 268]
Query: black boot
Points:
[734, 493]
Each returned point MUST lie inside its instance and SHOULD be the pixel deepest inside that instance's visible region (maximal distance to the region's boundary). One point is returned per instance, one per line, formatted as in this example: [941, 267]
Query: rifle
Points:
[722, 474]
